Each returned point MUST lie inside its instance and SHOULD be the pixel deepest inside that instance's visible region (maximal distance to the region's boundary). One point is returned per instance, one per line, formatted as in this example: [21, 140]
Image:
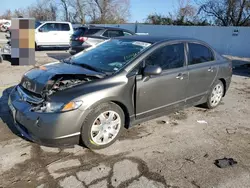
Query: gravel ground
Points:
[177, 150]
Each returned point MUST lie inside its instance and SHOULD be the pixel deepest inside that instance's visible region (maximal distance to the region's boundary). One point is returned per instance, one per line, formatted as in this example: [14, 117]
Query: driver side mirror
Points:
[41, 29]
[151, 70]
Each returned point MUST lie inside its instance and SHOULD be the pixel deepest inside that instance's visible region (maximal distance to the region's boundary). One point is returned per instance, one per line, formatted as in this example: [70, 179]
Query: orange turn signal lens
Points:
[42, 68]
[72, 105]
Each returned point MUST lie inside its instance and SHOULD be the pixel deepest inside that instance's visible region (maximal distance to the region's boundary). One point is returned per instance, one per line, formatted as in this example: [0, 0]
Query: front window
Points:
[49, 27]
[110, 56]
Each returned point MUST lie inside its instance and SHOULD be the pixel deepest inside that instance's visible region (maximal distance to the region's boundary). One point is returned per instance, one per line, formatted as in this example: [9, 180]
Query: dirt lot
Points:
[172, 151]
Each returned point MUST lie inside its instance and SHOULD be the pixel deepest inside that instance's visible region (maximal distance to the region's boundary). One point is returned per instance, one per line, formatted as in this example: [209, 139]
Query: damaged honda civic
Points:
[91, 97]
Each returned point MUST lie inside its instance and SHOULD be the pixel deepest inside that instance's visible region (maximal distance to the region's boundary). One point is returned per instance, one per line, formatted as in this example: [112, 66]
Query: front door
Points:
[47, 34]
[202, 70]
[166, 91]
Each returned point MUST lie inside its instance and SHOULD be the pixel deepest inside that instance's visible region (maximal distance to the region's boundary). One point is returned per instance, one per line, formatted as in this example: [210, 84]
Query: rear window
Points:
[92, 31]
[84, 31]
[79, 31]
[113, 33]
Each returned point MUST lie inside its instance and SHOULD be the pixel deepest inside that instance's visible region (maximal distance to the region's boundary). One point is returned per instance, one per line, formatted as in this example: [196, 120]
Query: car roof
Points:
[53, 22]
[155, 39]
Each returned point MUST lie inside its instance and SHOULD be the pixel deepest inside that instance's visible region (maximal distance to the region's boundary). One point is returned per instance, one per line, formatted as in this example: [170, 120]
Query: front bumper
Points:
[45, 128]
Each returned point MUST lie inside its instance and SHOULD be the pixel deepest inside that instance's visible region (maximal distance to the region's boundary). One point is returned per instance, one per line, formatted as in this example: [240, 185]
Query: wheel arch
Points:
[125, 111]
[224, 85]
[116, 102]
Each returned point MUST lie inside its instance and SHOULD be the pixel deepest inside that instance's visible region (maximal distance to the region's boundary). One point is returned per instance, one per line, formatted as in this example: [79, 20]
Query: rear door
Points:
[64, 33]
[166, 91]
[202, 70]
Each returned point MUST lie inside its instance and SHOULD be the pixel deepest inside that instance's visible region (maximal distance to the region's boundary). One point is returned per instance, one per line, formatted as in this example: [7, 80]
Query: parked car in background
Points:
[92, 96]
[85, 37]
[53, 34]
[5, 50]
[5, 26]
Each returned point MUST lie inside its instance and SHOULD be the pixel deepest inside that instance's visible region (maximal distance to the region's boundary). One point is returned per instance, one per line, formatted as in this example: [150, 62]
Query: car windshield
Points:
[110, 56]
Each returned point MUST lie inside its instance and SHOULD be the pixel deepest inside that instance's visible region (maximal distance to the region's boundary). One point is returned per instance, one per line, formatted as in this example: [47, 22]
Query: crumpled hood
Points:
[36, 79]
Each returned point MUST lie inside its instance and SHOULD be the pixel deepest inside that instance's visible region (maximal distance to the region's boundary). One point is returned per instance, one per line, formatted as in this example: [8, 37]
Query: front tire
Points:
[215, 96]
[37, 48]
[102, 126]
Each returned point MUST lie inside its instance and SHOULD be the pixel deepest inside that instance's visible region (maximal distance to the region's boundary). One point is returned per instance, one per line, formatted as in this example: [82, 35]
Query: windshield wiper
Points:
[69, 61]
[89, 67]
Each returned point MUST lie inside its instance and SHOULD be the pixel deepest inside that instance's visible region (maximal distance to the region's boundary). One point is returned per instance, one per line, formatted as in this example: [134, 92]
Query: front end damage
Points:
[38, 85]
[38, 112]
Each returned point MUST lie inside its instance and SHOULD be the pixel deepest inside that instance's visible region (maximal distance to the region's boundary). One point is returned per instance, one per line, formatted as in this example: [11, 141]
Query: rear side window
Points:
[199, 54]
[64, 27]
[168, 57]
[125, 33]
[113, 33]
[92, 31]
[84, 31]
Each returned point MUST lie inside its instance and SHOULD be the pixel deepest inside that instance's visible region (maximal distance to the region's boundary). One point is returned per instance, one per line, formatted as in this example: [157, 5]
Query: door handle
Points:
[210, 69]
[180, 76]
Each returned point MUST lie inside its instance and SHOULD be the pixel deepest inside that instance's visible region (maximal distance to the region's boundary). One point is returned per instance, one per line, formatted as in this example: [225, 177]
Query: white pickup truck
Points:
[53, 33]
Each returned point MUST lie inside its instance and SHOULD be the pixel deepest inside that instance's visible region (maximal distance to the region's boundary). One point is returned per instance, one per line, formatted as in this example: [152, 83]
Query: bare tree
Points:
[109, 11]
[226, 12]
[186, 9]
[43, 10]
[53, 11]
[19, 12]
[65, 5]
[6, 15]
[78, 10]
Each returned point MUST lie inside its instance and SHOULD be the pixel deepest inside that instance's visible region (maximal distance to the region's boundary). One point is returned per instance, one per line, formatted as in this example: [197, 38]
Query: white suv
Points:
[52, 33]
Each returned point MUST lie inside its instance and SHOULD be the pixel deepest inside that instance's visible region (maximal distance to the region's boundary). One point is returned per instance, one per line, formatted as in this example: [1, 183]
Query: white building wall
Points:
[223, 39]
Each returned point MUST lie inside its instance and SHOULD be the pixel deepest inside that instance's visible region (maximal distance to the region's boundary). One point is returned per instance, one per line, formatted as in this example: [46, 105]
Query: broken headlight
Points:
[52, 107]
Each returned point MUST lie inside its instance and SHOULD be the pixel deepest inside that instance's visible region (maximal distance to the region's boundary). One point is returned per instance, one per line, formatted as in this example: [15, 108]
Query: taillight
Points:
[82, 39]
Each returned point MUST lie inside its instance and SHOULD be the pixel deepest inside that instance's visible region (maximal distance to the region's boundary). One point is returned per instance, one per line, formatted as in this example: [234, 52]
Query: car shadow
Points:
[53, 48]
[241, 68]
[58, 56]
[5, 113]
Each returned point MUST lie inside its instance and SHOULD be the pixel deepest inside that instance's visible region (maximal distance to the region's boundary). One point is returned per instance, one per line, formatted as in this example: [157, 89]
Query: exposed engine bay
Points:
[62, 82]
[40, 101]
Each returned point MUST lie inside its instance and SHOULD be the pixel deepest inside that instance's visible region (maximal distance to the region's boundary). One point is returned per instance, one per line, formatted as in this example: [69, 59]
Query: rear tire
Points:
[102, 126]
[215, 95]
